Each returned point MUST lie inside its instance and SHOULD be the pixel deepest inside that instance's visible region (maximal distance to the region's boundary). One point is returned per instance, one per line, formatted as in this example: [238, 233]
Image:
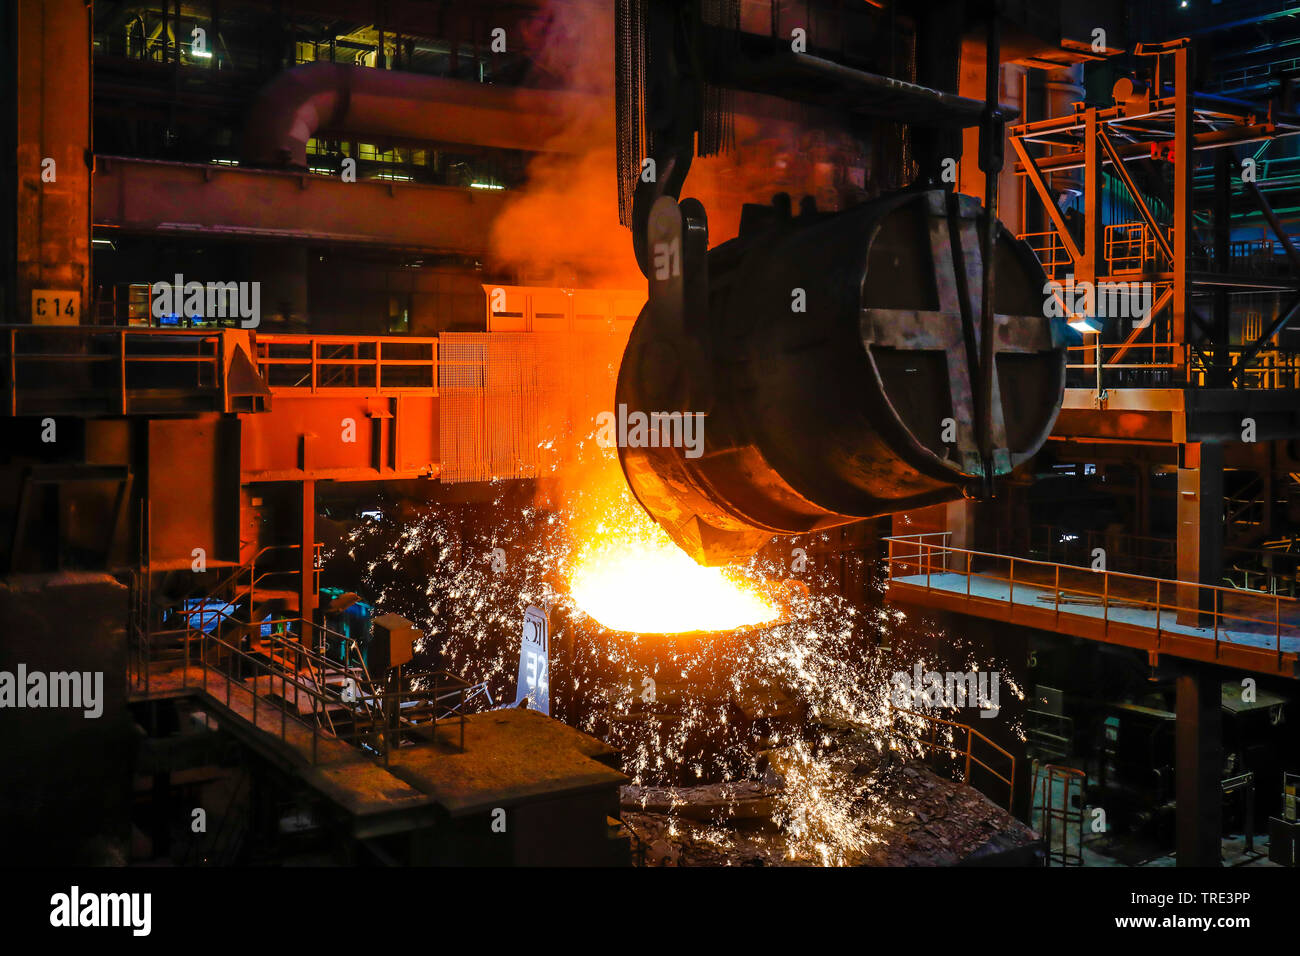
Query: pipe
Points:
[1065, 88]
[385, 104]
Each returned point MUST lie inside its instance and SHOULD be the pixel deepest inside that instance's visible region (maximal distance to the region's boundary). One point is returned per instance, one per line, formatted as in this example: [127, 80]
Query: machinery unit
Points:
[392, 642]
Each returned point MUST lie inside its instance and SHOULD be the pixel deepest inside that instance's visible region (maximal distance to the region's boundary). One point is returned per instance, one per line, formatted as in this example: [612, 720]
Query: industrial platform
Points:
[511, 759]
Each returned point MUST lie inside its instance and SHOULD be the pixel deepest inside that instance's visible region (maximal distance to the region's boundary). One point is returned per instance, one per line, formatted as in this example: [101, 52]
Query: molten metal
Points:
[629, 576]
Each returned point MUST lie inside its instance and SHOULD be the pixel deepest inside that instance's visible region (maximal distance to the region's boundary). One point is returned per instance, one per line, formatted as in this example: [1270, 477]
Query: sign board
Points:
[534, 662]
[56, 307]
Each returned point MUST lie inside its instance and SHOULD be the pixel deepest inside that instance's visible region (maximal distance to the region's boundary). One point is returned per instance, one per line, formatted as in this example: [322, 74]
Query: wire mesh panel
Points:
[462, 364]
[490, 386]
[512, 404]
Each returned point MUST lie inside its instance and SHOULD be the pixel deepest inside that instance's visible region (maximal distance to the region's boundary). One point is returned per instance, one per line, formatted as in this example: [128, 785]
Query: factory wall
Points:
[67, 776]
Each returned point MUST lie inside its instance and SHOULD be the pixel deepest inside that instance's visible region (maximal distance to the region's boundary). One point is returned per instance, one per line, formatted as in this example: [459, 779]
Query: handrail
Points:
[195, 359]
[381, 735]
[925, 556]
[1006, 557]
[117, 364]
[971, 733]
[1142, 553]
[250, 564]
[315, 363]
[288, 656]
[261, 668]
[1270, 368]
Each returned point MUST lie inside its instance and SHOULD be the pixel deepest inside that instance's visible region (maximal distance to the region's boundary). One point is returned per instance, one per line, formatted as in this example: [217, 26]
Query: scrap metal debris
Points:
[855, 804]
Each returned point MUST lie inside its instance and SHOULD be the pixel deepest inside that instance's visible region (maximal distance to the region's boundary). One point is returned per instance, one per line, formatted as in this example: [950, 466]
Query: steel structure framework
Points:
[1176, 345]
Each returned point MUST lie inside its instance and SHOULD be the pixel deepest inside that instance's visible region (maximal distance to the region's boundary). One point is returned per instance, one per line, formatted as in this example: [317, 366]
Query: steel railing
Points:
[84, 367]
[79, 368]
[301, 661]
[295, 662]
[1129, 247]
[1159, 355]
[226, 593]
[321, 363]
[1051, 251]
[378, 723]
[934, 724]
[917, 555]
[1065, 815]
[1145, 554]
[1173, 364]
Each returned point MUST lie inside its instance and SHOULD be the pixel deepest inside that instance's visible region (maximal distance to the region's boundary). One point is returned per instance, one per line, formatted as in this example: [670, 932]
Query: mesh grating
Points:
[510, 402]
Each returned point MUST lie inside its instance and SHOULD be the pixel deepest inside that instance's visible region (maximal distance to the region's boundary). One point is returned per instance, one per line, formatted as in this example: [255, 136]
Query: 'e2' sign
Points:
[534, 658]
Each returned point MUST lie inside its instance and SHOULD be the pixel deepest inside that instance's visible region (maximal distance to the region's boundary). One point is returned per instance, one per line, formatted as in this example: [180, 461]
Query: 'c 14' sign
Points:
[56, 307]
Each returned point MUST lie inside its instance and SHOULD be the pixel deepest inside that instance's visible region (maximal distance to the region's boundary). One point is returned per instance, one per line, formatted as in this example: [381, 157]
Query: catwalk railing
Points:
[929, 562]
[941, 735]
[325, 363]
[315, 678]
[1171, 365]
[1275, 570]
[52, 369]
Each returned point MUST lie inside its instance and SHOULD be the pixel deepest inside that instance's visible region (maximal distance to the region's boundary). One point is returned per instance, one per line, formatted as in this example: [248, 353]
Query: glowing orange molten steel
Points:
[629, 576]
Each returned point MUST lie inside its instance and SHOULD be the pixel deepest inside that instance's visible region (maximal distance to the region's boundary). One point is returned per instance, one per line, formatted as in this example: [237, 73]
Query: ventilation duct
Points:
[379, 105]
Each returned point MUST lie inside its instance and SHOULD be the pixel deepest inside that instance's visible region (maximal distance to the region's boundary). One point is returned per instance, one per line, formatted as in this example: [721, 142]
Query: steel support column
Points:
[1221, 371]
[1184, 167]
[1198, 745]
[1091, 267]
[1200, 529]
[307, 586]
[52, 167]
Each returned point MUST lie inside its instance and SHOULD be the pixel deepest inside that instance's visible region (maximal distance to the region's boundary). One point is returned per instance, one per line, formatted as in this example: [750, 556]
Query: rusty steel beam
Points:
[1183, 168]
[990, 163]
[1035, 174]
[307, 595]
[1248, 355]
[1143, 210]
[1198, 768]
[1216, 139]
[1089, 269]
[1165, 298]
[1275, 225]
[361, 437]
